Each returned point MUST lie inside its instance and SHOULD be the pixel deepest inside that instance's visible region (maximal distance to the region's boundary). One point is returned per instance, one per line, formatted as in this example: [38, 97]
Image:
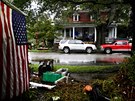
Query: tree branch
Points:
[91, 1]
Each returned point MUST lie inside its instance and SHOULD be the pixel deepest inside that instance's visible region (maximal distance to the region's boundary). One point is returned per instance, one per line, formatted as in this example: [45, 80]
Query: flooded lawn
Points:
[83, 59]
[88, 77]
[79, 59]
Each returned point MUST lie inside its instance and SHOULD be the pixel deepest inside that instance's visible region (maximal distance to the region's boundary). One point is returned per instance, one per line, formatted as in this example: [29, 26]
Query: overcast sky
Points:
[35, 7]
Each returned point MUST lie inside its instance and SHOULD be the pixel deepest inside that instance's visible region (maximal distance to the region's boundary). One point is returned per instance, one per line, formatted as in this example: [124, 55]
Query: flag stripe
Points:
[4, 47]
[1, 52]
[11, 52]
[26, 68]
[8, 73]
[23, 63]
[26, 65]
[21, 67]
[15, 64]
[19, 71]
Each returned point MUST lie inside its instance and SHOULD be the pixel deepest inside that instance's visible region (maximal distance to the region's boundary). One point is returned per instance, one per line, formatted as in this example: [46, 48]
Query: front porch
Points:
[85, 32]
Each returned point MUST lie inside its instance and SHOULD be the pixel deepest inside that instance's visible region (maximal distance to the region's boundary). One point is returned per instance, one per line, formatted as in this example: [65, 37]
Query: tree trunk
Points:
[132, 3]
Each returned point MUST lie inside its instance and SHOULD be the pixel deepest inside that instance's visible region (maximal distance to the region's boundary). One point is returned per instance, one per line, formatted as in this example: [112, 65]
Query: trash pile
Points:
[95, 94]
[60, 85]
[46, 77]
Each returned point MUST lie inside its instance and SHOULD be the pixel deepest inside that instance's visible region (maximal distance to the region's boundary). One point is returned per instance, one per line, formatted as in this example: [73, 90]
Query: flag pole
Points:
[13, 7]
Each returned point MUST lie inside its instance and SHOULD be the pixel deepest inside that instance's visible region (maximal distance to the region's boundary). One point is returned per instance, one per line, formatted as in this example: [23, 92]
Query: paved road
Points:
[78, 58]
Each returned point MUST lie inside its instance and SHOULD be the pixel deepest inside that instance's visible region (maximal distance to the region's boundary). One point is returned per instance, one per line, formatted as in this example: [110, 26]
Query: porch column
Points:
[115, 35]
[95, 34]
[70, 31]
[113, 32]
[73, 32]
[64, 33]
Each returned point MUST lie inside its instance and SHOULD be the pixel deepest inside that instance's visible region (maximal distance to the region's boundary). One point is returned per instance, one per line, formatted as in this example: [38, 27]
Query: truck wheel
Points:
[108, 51]
[89, 50]
[66, 50]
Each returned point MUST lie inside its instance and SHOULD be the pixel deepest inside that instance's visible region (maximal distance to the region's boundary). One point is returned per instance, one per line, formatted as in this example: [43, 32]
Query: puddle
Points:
[83, 62]
[88, 77]
[78, 59]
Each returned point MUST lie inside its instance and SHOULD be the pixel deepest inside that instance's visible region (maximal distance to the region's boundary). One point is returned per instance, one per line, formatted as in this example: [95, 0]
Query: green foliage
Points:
[125, 79]
[37, 22]
[34, 67]
[22, 4]
[29, 95]
[118, 12]
[43, 31]
[128, 68]
[121, 87]
[108, 88]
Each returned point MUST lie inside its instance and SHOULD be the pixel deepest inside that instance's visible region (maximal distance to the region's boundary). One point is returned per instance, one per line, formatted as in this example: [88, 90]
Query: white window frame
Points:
[75, 17]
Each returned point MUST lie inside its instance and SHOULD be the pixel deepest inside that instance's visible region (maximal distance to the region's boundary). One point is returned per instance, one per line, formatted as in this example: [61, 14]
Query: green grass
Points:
[92, 69]
[86, 68]
[48, 50]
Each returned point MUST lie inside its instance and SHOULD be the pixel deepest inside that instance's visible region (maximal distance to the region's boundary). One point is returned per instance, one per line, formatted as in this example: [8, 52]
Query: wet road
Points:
[78, 59]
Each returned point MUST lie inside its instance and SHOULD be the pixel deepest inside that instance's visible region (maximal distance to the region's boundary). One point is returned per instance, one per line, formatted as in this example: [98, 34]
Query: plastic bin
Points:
[51, 77]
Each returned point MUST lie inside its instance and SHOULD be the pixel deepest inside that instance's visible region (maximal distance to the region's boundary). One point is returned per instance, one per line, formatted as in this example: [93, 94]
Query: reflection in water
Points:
[110, 60]
[96, 61]
[78, 59]
[86, 77]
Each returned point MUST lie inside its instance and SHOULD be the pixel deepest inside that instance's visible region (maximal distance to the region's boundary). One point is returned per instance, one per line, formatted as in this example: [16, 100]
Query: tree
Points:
[132, 23]
[21, 4]
[40, 27]
[43, 31]
[119, 9]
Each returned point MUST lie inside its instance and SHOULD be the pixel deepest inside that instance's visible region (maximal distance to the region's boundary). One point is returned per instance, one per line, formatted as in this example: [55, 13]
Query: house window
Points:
[75, 17]
[91, 17]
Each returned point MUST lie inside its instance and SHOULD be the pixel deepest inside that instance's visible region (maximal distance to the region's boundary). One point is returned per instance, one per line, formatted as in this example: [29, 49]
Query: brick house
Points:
[82, 25]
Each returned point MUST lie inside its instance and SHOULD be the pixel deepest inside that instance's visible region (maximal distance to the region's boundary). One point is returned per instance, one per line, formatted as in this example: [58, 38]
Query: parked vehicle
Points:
[117, 46]
[76, 45]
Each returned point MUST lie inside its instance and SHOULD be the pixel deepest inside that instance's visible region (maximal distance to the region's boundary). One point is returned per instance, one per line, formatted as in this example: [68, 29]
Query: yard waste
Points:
[46, 77]
[55, 77]
[94, 93]
[46, 73]
[44, 66]
[63, 71]
[37, 85]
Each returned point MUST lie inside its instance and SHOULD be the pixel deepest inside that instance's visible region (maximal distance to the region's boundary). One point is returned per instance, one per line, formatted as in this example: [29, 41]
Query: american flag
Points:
[14, 75]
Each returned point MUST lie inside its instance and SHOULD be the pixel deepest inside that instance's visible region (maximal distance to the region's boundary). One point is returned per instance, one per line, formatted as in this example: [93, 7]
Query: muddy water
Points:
[88, 77]
[82, 59]
[78, 59]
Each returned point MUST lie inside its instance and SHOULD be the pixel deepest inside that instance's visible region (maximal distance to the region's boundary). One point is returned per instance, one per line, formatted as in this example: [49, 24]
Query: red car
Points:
[117, 46]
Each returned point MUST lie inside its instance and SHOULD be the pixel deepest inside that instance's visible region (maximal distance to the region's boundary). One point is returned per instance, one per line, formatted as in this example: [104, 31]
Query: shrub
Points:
[125, 78]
